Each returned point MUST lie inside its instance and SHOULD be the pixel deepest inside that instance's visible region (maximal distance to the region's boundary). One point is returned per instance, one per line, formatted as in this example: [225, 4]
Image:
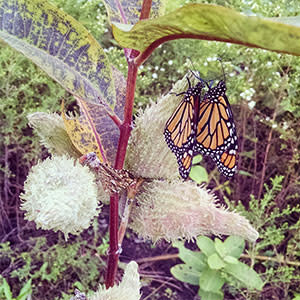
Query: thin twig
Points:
[262, 180]
[256, 257]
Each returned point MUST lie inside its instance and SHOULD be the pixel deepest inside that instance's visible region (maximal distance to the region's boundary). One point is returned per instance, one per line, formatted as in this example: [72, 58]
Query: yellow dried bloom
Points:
[128, 289]
[181, 209]
[60, 194]
[148, 154]
[53, 135]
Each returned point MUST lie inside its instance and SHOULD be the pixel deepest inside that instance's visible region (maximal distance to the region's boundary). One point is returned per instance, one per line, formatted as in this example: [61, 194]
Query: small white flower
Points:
[254, 6]
[285, 126]
[251, 104]
[209, 59]
[170, 62]
[247, 94]
[154, 75]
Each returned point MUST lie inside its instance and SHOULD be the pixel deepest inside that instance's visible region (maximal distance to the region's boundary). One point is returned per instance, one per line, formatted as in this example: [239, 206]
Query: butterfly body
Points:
[203, 125]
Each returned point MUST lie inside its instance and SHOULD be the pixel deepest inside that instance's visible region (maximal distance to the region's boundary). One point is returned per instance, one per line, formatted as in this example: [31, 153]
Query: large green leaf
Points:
[215, 262]
[194, 259]
[94, 130]
[206, 245]
[213, 22]
[128, 12]
[211, 280]
[61, 46]
[210, 295]
[186, 273]
[245, 274]
[234, 246]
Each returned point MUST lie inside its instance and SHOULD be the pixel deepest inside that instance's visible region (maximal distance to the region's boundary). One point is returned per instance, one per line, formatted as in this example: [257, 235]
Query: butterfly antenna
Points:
[188, 82]
[220, 60]
[191, 63]
[199, 78]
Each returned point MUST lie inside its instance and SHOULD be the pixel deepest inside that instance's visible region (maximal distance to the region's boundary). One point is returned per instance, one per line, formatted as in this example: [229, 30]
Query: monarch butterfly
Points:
[203, 126]
[180, 129]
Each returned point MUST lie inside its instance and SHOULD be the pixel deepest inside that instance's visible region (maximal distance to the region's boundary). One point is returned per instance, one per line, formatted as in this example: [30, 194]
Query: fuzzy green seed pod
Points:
[60, 194]
[148, 154]
[128, 289]
[53, 135]
[181, 209]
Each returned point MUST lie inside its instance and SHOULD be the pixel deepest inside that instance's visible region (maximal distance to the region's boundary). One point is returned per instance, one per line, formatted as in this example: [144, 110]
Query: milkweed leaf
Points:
[61, 46]
[213, 22]
[82, 132]
[94, 130]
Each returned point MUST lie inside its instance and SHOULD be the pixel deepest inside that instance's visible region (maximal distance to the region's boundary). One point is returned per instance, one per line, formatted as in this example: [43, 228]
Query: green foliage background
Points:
[264, 90]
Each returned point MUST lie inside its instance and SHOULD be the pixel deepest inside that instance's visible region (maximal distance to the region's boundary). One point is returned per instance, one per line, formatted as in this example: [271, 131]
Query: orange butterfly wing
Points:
[180, 129]
[203, 126]
[216, 133]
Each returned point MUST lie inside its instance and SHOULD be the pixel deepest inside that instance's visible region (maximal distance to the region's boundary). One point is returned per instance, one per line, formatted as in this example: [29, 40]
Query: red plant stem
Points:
[148, 51]
[146, 8]
[116, 120]
[125, 129]
[113, 253]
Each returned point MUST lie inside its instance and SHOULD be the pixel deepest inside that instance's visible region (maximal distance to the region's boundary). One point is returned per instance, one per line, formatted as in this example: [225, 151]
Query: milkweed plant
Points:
[101, 153]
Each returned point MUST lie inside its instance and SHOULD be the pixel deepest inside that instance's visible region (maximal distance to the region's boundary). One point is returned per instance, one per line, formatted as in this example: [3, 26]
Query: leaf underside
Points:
[61, 46]
[94, 130]
[213, 22]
